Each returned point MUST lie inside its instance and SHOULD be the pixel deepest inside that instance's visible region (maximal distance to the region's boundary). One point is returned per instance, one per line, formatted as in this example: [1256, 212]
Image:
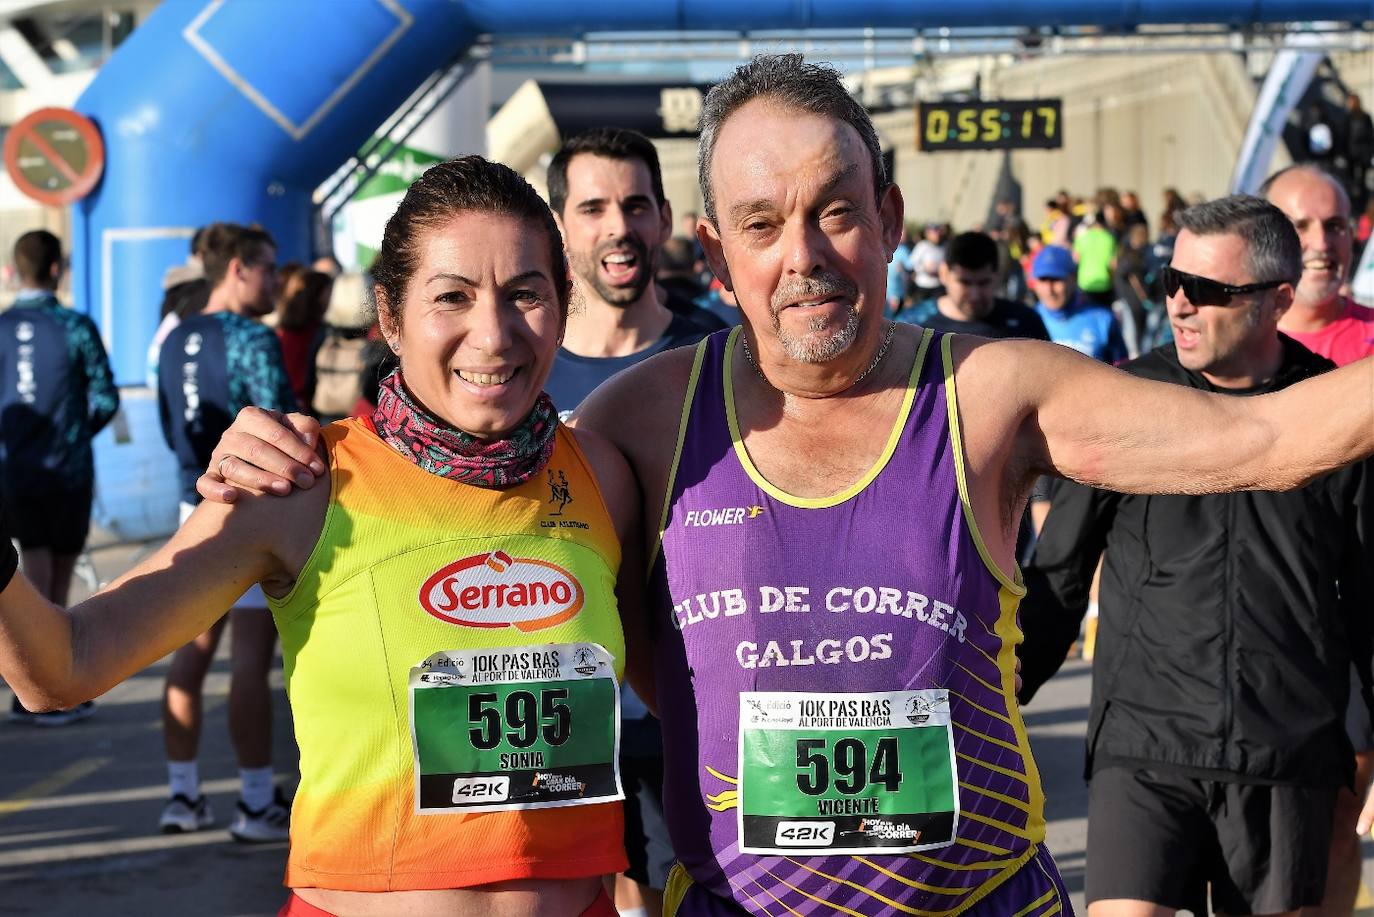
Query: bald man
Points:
[1322, 319]
[1340, 329]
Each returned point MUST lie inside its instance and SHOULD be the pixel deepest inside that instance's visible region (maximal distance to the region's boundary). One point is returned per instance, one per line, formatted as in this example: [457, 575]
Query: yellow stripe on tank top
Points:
[782, 496]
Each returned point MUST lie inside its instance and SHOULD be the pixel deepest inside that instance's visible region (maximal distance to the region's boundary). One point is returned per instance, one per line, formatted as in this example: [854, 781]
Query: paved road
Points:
[79, 805]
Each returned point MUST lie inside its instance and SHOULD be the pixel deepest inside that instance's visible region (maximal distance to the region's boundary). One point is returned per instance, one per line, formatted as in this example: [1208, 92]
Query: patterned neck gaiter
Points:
[442, 450]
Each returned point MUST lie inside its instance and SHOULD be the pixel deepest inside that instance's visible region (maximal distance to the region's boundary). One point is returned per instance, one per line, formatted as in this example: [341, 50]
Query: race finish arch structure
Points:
[238, 110]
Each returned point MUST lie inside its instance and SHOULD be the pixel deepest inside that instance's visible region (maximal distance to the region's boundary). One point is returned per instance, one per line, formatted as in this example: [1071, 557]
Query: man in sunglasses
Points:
[1340, 329]
[1216, 740]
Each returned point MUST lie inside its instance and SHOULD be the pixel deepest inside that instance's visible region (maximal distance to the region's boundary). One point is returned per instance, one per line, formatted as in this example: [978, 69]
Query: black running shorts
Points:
[646, 832]
[1164, 837]
[57, 521]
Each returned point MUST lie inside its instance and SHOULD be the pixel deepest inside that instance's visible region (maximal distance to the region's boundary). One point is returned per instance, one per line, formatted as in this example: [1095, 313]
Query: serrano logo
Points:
[497, 590]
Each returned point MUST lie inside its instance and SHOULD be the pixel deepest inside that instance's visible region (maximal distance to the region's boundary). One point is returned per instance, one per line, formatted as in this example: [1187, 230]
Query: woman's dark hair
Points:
[469, 183]
[303, 301]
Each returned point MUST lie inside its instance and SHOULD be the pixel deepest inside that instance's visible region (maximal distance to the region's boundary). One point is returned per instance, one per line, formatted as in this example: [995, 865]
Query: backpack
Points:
[338, 374]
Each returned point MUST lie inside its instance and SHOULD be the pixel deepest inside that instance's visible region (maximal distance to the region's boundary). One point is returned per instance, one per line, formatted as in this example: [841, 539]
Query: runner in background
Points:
[56, 394]
[606, 191]
[1070, 317]
[335, 373]
[213, 365]
[1322, 319]
[607, 195]
[924, 262]
[970, 304]
[899, 276]
[301, 305]
[1216, 743]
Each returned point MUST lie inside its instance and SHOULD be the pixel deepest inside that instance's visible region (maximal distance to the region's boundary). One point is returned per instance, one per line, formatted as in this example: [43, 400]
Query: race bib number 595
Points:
[846, 773]
[516, 728]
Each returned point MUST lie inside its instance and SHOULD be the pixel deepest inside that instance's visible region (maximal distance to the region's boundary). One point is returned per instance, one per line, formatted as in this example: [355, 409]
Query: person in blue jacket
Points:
[1069, 317]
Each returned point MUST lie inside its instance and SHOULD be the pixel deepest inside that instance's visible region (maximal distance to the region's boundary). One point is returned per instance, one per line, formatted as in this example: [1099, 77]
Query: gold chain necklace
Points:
[878, 358]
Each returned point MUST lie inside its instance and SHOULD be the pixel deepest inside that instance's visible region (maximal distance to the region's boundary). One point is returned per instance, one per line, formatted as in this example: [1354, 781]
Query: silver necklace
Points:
[878, 358]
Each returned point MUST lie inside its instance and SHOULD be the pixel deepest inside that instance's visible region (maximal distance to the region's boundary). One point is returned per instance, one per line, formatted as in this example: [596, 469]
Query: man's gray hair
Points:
[789, 80]
[1272, 248]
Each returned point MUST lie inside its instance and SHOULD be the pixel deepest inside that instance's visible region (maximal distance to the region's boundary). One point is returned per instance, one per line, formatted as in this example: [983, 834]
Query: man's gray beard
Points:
[816, 346]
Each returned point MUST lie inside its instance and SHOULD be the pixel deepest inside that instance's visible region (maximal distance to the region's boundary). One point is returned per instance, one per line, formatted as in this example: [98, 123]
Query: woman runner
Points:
[447, 605]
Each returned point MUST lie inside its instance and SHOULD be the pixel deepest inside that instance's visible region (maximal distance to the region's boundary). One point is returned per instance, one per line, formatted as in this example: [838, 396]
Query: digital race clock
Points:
[1009, 125]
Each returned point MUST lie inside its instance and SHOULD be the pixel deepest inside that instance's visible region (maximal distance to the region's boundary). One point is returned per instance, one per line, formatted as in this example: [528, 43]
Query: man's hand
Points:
[263, 452]
[1366, 819]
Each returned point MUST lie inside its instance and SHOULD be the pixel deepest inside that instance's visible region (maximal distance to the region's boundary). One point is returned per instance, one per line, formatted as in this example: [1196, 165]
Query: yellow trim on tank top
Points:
[675, 889]
[961, 477]
[1010, 635]
[1008, 598]
[687, 400]
[858, 486]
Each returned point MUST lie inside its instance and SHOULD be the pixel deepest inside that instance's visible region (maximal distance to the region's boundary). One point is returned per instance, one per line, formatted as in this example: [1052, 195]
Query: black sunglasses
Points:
[1204, 291]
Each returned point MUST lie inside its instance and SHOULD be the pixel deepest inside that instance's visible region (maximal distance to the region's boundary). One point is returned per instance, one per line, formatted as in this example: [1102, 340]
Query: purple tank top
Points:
[851, 738]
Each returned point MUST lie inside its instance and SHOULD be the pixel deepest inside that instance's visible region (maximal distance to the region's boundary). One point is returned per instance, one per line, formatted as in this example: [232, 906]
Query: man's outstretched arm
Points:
[1151, 437]
[1043, 409]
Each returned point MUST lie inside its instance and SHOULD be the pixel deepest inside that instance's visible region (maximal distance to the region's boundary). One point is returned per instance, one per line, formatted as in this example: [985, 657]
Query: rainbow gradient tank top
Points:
[851, 742]
[452, 654]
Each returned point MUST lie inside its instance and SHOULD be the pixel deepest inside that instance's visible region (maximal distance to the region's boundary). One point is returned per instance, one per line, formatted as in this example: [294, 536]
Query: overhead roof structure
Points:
[218, 110]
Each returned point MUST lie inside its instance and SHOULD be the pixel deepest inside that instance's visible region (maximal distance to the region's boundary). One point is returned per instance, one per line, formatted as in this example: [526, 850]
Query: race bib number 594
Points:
[846, 773]
[515, 728]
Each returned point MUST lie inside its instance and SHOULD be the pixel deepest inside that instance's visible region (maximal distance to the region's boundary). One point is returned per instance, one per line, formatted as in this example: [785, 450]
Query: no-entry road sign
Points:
[55, 156]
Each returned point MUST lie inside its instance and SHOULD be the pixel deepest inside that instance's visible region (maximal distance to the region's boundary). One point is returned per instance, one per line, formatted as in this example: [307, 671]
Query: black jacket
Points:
[1228, 622]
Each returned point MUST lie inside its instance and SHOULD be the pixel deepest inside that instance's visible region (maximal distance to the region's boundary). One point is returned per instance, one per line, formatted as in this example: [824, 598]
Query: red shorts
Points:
[296, 906]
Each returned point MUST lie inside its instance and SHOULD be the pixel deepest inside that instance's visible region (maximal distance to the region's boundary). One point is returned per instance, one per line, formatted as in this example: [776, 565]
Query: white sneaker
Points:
[182, 816]
[272, 823]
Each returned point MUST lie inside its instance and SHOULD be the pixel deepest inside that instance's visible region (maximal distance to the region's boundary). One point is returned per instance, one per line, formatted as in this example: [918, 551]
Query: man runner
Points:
[606, 192]
[212, 365]
[970, 304]
[838, 498]
[56, 394]
[1216, 746]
